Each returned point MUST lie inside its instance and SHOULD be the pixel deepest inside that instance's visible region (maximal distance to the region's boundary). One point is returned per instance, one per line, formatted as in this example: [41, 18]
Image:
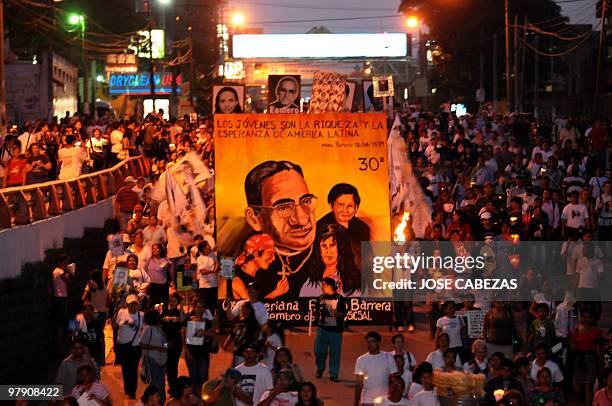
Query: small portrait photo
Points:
[284, 92]
[228, 99]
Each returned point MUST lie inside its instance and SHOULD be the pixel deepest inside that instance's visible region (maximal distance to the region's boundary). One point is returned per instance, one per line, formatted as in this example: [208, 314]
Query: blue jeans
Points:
[198, 368]
[158, 377]
[328, 342]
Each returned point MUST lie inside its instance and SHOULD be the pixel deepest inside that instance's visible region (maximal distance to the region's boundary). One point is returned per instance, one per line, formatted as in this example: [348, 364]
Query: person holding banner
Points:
[331, 309]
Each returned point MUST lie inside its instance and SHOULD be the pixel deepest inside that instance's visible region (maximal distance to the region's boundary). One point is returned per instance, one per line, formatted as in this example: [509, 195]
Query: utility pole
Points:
[482, 63]
[495, 74]
[536, 79]
[522, 69]
[85, 68]
[507, 24]
[604, 6]
[151, 69]
[515, 96]
[3, 118]
[191, 66]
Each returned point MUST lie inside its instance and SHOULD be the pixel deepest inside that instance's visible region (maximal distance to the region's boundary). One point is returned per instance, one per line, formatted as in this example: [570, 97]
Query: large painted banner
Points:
[296, 196]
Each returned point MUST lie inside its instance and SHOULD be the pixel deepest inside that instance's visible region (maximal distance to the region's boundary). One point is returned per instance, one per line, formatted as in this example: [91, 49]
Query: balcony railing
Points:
[25, 204]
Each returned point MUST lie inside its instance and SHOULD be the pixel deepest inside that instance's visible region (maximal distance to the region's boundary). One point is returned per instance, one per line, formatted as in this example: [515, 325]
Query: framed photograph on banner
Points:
[349, 96]
[383, 86]
[372, 104]
[120, 277]
[228, 98]
[284, 94]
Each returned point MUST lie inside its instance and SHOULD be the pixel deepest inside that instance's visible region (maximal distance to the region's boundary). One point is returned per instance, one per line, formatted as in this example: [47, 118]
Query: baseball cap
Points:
[232, 373]
[129, 179]
[485, 215]
[131, 299]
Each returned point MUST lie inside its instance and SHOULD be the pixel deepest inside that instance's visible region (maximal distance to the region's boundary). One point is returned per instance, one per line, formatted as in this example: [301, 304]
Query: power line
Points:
[325, 19]
[280, 5]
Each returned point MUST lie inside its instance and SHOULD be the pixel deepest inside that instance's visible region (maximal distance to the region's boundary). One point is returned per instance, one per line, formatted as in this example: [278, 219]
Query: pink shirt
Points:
[59, 286]
[96, 389]
[157, 269]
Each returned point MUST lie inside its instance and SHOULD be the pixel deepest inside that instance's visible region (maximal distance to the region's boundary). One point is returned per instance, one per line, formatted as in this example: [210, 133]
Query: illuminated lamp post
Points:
[79, 20]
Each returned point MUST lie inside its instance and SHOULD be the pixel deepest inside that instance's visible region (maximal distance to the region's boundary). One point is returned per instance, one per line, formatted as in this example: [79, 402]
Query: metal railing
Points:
[23, 205]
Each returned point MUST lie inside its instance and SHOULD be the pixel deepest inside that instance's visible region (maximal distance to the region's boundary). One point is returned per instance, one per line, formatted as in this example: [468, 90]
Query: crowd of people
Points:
[486, 177]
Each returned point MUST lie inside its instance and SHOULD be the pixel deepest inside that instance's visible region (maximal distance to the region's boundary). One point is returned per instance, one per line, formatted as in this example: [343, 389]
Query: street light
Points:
[412, 21]
[79, 19]
[238, 19]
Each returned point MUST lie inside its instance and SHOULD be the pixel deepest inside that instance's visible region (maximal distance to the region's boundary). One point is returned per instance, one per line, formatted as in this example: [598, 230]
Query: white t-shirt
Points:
[127, 332]
[206, 263]
[452, 327]
[376, 370]
[588, 270]
[26, 139]
[436, 359]
[155, 236]
[575, 215]
[59, 286]
[410, 360]
[282, 399]
[71, 159]
[555, 371]
[138, 277]
[116, 137]
[402, 402]
[414, 389]
[425, 398]
[596, 184]
[255, 381]
[261, 314]
[274, 341]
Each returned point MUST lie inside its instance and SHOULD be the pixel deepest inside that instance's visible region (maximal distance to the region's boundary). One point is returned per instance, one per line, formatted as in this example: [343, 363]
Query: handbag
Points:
[211, 345]
[145, 371]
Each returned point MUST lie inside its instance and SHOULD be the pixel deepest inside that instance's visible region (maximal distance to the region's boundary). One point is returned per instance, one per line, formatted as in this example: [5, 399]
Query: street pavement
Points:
[301, 345]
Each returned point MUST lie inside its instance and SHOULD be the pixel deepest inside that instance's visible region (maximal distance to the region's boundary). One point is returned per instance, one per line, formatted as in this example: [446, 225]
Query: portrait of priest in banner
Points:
[280, 204]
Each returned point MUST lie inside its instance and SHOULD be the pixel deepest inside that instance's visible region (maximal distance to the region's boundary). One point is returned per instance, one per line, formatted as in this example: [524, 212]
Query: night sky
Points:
[260, 13]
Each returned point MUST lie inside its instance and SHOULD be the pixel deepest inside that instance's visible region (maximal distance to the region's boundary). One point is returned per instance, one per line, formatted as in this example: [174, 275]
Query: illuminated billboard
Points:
[140, 83]
[155, 48]
[386, 45]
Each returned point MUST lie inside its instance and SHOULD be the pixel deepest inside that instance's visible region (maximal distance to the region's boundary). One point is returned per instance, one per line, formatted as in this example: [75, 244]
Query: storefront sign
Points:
[140, 83]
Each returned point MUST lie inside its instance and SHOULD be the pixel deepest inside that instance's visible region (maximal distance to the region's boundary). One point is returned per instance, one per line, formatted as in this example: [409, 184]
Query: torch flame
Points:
[399, 235]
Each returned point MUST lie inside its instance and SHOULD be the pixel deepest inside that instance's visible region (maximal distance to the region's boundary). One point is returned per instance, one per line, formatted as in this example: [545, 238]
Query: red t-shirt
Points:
[586, 340]
[15, 172]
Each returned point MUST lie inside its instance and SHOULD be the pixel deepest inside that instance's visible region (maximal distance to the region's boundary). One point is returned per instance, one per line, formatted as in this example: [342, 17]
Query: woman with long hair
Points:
[332, 258]
[307, 395]
[154, 344]
[197, 338]
[90, 389]
[227, 101]
[245, 331]
[283, 360]
[545, 392]
[172, 320]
